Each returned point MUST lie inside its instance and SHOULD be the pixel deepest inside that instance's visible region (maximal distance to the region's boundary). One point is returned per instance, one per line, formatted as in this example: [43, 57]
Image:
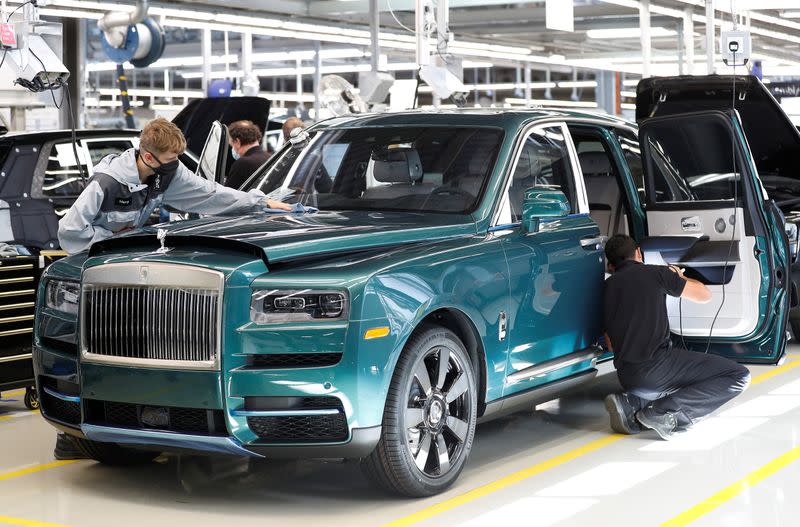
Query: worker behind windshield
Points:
[126, 188]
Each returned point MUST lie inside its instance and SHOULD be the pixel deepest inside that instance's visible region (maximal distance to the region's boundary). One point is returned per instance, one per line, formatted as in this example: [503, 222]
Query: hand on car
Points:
[279, 205]
[678, 270]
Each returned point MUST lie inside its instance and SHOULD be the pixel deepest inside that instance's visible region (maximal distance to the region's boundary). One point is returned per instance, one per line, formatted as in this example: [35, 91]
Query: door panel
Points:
[556, 281]
[702, 186]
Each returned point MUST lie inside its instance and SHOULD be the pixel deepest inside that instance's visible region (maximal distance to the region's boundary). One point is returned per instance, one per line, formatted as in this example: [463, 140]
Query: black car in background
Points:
[40, 178]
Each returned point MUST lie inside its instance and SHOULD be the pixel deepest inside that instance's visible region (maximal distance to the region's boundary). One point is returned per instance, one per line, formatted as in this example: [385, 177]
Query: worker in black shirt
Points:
[245, 140]
[667, 389]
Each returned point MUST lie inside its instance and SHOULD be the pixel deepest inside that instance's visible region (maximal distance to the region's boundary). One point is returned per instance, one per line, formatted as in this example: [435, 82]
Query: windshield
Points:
[413, 169]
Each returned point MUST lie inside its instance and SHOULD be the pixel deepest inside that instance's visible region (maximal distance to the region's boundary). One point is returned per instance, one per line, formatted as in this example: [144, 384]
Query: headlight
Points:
[279, 306]
[63, 296]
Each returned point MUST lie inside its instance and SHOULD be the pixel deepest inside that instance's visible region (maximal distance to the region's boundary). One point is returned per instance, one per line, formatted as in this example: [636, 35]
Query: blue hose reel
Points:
[144, 44]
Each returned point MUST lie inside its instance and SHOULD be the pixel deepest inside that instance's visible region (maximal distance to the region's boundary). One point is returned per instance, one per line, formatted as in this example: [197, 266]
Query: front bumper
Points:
[73, 391]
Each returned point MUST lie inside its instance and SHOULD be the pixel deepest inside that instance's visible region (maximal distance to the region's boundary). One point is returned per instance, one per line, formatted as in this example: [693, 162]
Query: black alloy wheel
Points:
[429, 419]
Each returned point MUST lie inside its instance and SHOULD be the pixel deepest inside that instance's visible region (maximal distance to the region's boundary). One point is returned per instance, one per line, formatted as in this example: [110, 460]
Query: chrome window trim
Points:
[520, 142]
[168, 275]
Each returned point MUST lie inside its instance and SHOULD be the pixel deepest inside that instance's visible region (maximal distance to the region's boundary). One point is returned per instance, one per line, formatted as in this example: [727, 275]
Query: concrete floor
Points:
[558, 465]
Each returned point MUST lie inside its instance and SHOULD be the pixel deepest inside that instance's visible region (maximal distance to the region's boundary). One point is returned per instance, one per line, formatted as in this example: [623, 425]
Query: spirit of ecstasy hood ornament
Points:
[162, 235]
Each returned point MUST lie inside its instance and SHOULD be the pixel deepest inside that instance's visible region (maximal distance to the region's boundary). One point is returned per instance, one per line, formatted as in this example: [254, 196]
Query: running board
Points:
[540, 370]
[540, 394]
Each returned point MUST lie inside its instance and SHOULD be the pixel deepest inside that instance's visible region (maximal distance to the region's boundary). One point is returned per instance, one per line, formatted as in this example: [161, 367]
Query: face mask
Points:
[235, 154]
[164, 169]
[167, 169]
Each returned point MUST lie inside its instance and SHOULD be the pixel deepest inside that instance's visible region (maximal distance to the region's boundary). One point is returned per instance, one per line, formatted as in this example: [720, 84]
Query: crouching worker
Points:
[127, 188]
[667, 389]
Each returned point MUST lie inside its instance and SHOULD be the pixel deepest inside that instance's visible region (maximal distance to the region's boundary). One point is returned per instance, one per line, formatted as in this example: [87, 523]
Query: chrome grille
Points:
[157, 315]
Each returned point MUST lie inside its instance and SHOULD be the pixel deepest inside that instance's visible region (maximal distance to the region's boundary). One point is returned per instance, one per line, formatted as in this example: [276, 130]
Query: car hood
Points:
[285, 237]
[773, 139]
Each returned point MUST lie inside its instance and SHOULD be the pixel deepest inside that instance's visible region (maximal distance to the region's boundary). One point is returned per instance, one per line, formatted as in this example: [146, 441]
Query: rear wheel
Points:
[429, 419]
[113, 454]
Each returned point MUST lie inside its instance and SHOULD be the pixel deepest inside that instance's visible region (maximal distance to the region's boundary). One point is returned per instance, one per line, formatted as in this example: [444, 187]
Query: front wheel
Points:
[31, 399]
[429, 419]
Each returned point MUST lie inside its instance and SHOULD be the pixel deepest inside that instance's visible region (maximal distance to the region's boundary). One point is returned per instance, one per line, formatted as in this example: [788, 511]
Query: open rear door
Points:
[211, 164]
[708, 213]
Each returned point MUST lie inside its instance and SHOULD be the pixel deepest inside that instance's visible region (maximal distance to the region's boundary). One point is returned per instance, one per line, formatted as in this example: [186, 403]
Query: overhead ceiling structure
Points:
[504, 32]
[497, 39]
[606, 32]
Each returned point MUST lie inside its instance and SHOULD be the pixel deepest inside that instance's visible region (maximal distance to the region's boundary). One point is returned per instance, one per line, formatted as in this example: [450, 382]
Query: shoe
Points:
[621, 412]
[663, 424]
[66, 449]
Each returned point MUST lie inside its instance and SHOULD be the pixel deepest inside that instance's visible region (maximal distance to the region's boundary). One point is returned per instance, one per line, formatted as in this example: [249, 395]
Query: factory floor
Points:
[557, 465]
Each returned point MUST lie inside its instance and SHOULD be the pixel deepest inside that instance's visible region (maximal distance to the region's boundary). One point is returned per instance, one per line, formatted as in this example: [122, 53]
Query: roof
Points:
[489, 117]
[89, 132]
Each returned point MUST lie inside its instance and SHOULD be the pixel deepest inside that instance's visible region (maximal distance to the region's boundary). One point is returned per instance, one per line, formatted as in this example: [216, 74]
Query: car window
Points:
[62, 177]
[692, 162]
[633, 157]
[100, 149]
[398, 168]
[543, 163]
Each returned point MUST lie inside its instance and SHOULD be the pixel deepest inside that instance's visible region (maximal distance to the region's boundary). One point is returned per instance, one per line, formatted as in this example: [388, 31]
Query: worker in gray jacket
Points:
[126, 188]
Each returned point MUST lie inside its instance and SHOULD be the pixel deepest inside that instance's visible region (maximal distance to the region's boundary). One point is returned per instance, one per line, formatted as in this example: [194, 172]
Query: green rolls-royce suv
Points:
[453, 273]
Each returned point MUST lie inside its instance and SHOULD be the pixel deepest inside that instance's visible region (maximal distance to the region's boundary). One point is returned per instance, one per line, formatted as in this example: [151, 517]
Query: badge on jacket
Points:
[122, 202]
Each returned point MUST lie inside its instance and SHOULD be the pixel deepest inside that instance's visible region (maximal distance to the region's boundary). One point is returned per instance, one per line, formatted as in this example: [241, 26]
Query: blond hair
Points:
[160, 136]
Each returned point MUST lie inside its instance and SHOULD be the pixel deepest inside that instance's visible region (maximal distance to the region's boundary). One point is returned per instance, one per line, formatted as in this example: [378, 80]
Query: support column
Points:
[423, 57]
[681, 58]
[374, 34]
[710, 31]
[247, 54]
[74, 51]
[688, 39]
[607, 94]
[318, 77]
[206, 45]
[548, 92]
[299, 82]
[528, 96]
[644, 27]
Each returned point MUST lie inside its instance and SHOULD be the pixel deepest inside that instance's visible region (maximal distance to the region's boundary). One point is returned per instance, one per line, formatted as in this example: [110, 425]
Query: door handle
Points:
[593, 243]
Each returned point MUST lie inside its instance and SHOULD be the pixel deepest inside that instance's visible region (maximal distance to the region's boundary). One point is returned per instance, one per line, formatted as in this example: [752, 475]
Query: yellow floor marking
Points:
[516, 477]
[27, 523]
[15, 393]
[504, 482]
[15, 415]
[730, 492]
[790, 365]
[34, 469]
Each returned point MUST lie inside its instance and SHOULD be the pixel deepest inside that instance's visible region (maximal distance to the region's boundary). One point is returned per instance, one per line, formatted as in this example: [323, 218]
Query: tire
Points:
[114, 454]
[441, 410]
[31, 399]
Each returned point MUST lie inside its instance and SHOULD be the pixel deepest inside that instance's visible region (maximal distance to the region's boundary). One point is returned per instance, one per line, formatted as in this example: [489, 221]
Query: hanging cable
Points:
[391, 11]
[735, 194]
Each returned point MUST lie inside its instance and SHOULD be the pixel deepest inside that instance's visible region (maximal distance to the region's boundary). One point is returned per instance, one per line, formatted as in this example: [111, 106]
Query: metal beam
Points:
[644, 25]
[710, 36]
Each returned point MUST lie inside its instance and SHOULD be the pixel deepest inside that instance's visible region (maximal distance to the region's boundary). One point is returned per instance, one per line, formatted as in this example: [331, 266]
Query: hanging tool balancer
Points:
[131, 37]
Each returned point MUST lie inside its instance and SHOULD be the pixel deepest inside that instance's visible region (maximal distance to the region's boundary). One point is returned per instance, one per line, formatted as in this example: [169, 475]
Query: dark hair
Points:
[619, 248]
[245, 131]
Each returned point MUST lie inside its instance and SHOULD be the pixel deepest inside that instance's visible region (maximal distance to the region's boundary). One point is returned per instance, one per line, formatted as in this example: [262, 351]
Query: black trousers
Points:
[687, 383]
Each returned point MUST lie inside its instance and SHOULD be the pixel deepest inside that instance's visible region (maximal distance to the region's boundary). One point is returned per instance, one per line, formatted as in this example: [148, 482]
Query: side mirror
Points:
[541, 204]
